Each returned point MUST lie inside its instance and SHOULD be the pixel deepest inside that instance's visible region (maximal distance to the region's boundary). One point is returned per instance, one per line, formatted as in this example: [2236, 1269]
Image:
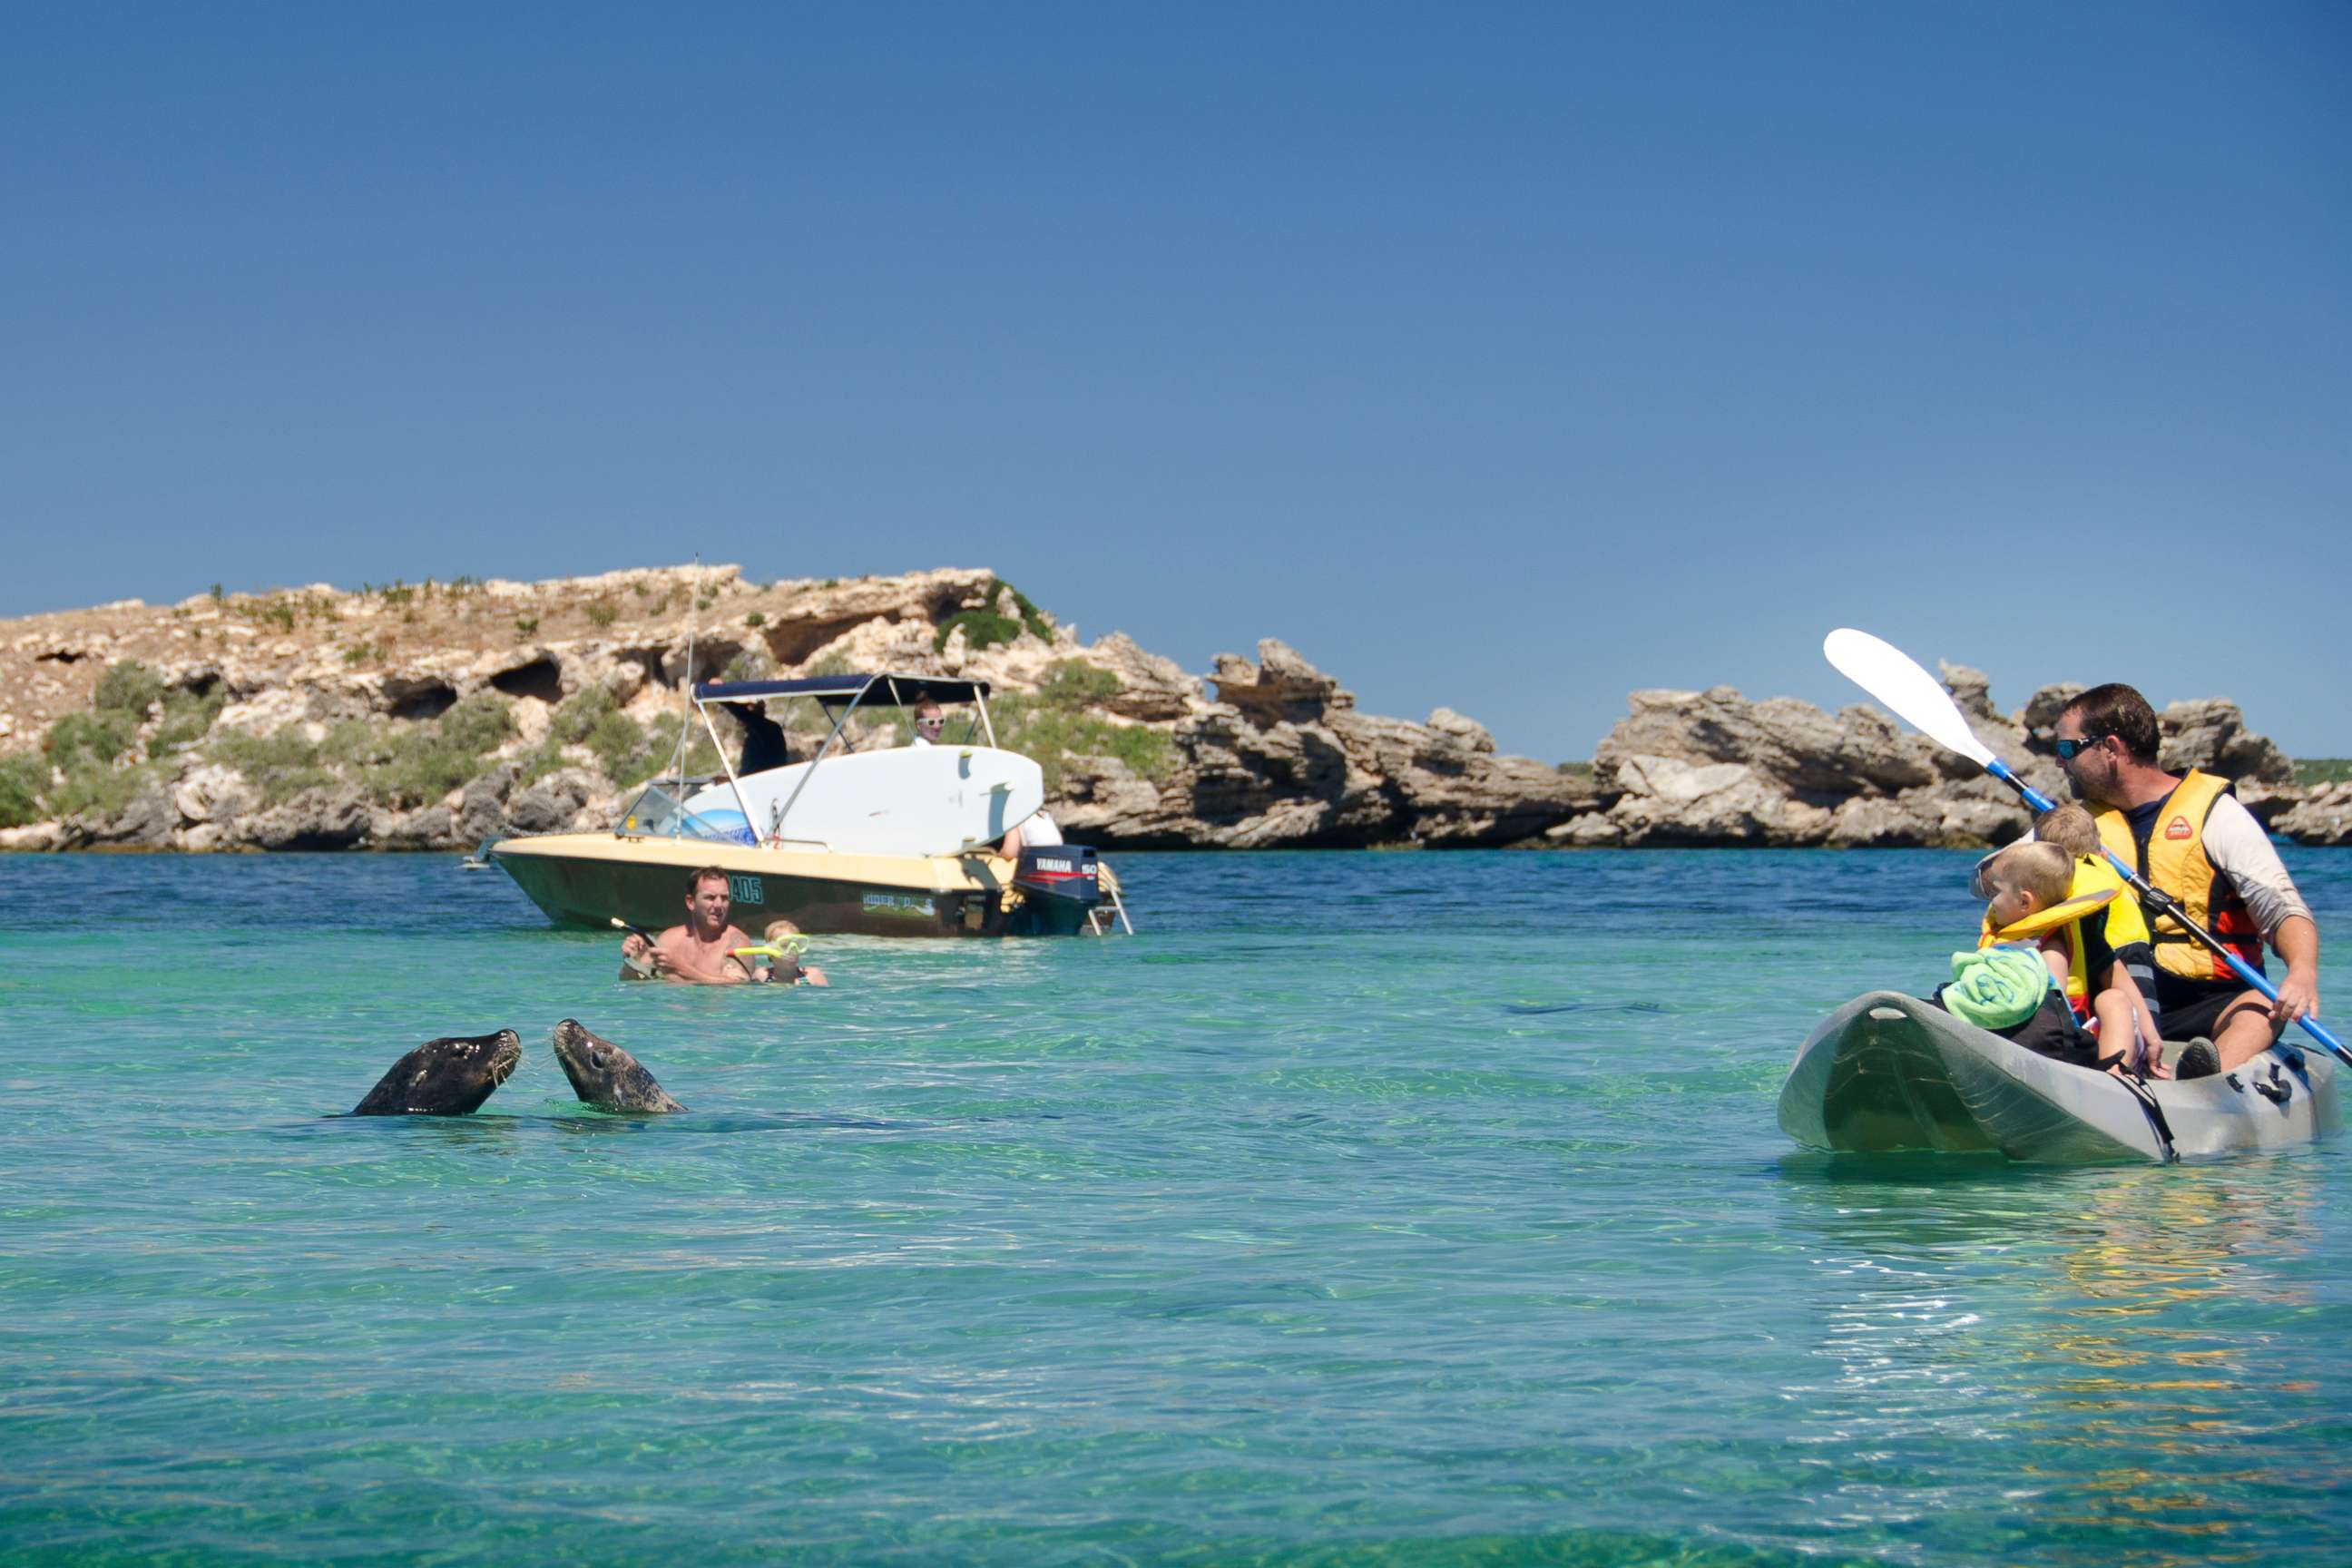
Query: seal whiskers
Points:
[449, 1076]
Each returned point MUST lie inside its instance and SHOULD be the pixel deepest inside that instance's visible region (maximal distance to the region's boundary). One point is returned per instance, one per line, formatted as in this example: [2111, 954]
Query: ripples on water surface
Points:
[1367, 1207]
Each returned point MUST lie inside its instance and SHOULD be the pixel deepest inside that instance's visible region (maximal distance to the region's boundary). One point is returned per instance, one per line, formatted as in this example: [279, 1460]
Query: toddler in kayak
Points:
[2069, 908]
[2008, 984]
[2126, 978]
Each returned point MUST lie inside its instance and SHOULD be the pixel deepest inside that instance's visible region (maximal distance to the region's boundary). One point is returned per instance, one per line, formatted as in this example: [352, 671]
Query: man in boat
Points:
[928, 719]
[1038, 830]
[2191, 839]
[764, 738]
[702, 951]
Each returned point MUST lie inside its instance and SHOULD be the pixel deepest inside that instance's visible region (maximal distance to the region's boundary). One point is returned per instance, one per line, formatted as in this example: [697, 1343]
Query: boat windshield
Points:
[658, 812]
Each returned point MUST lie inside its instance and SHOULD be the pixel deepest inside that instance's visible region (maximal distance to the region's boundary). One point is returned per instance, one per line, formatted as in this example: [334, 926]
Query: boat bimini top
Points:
[934, 798]
[839, 695]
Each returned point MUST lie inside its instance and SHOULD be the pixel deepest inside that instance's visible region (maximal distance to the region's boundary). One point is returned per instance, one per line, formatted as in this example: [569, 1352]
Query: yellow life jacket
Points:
[2094, 888]
[2173, 860]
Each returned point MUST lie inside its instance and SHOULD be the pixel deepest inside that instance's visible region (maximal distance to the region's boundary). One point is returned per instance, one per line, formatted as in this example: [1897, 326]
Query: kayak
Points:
[1889, 1073]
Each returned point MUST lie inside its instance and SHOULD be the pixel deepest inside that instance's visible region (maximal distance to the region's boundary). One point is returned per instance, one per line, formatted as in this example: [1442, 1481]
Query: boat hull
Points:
[1888, 1073]
[591, 878]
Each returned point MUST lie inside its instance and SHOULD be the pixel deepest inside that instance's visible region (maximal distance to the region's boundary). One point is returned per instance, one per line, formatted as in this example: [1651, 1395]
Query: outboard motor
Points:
[1060, 871]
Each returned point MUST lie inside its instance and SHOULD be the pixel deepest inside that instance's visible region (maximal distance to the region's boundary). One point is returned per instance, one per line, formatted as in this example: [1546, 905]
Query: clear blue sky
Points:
[1503, 357]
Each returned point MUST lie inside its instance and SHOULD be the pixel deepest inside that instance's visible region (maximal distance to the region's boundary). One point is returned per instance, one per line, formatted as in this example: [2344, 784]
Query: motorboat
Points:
[883, 840]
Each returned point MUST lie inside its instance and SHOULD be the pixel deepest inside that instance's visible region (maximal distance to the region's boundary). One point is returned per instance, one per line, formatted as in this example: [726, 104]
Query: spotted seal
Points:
[448, 1077]
[605, 1075]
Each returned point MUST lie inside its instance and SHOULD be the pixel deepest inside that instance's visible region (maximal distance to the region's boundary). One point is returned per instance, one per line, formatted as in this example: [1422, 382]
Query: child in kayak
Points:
[2038, 893]
[2008, 985]
[2006, 990]
[2126, 985]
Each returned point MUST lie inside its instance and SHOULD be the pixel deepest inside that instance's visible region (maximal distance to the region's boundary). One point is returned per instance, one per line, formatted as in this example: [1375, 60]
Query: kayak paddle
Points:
[1919, 699]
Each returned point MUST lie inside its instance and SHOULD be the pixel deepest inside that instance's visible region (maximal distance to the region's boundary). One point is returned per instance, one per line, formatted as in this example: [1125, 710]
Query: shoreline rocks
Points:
[1713, 769]
[435, 716]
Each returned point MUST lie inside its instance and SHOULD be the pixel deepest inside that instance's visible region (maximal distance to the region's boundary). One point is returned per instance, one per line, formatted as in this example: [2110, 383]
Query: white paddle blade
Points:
[1909, 692]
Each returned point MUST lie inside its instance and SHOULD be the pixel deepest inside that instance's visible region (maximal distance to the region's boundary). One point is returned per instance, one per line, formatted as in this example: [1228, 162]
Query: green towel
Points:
[1997, 987]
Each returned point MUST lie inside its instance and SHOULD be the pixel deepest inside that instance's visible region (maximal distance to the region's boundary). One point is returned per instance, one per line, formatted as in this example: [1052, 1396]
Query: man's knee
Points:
[2243, 1015]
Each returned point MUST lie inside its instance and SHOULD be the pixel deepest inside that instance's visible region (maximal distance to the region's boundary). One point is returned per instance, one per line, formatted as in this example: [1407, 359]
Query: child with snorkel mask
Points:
[778, 957]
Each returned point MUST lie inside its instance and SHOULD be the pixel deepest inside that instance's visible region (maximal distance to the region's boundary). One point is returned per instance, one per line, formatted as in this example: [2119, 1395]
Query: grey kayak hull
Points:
[1888, 1073]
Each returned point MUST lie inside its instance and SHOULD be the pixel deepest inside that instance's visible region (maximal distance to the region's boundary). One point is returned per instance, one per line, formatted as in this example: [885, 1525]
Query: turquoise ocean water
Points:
[1414, 1208]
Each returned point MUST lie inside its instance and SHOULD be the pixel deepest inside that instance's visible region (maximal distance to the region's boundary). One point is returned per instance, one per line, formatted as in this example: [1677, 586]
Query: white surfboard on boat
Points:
[911, 799]
[1888, 1073]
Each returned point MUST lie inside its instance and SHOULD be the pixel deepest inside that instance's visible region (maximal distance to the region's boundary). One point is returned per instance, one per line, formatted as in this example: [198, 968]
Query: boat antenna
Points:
[686, 692]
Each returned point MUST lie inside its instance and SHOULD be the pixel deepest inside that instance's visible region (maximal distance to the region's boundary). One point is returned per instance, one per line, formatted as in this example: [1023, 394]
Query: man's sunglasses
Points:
[2068, 750]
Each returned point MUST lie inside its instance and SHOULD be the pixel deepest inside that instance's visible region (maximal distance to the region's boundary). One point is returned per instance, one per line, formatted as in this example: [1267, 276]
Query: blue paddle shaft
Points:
[2238, 966]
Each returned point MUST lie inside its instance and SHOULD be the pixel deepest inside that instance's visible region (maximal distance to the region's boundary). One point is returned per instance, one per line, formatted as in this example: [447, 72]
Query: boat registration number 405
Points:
[745, 890]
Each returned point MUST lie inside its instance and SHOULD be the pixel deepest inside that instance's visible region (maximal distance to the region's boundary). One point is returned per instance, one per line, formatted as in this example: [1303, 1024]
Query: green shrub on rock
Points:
[281, 764]
[99, 794]
[24, 778]
[129, 688]
[126, 694]
[411, 764]
[985, 626]
[95, 754]
[1073, 682]
[1056, 724]
[404, 762]
[85, 740]
[624, 750]
[480, 723]
[187, 718]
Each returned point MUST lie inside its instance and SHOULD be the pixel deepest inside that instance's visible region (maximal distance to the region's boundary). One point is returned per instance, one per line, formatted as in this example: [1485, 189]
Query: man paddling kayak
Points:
[2190, 838]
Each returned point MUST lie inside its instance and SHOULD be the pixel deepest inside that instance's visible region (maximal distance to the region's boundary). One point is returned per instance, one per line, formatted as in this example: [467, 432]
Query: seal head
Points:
[605, 1075]
[444, 1078]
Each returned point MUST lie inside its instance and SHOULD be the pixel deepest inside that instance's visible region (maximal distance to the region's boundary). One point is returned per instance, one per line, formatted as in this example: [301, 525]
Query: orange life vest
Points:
[2172, 859]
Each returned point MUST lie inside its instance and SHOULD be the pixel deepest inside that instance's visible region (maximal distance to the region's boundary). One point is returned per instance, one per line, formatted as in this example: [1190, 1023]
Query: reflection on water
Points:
[485, 1132]
[2109, 1332]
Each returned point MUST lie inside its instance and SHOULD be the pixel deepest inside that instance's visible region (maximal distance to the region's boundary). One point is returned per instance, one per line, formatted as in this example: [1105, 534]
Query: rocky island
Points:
[431, 716]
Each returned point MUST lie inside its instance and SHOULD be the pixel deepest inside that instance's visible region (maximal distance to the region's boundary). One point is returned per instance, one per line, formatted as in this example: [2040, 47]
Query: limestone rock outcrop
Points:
[2323, 815]
[1712, 768]
[437, 715]
[285, 720]
[2211, 734]
[1282, 758]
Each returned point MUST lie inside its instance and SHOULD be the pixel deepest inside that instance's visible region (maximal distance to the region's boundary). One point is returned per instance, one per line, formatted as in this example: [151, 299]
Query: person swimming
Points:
[788, 970]
[700, 950]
